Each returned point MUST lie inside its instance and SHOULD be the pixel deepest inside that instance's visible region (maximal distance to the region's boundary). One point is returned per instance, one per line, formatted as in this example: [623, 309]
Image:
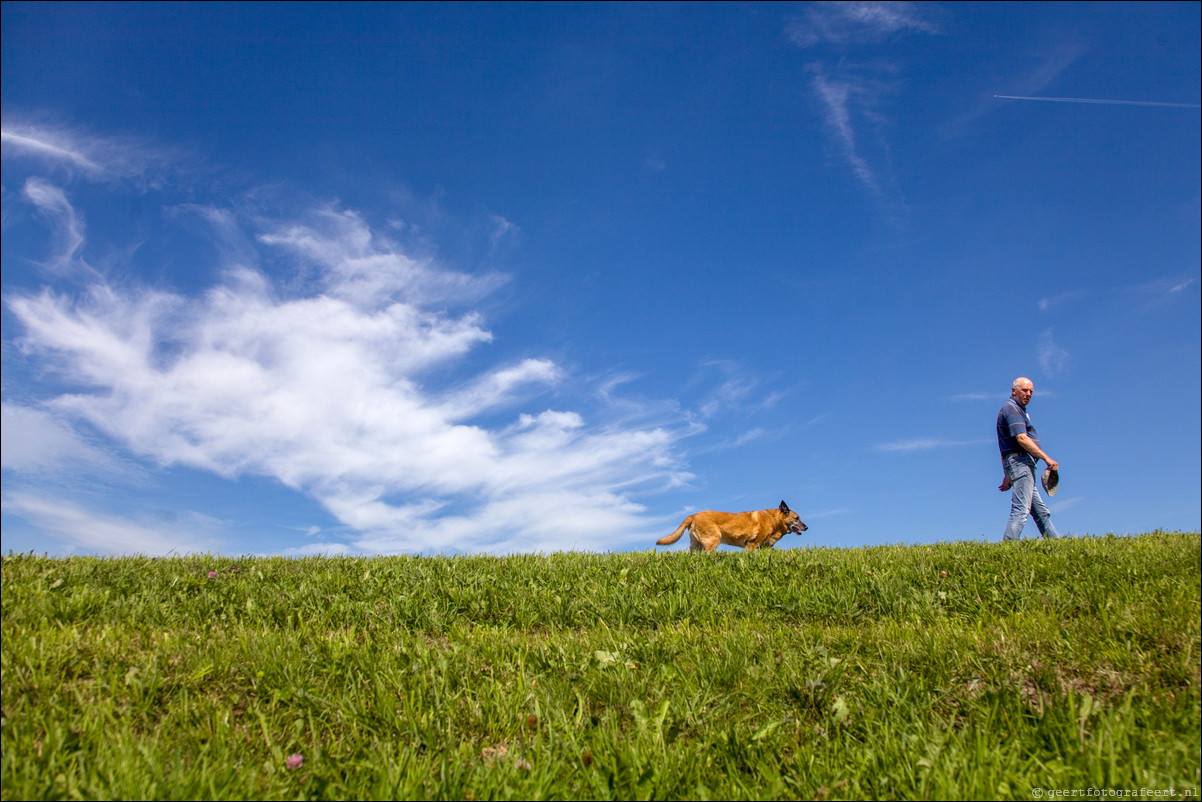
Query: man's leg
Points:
[1042, 516]
[1022, 488]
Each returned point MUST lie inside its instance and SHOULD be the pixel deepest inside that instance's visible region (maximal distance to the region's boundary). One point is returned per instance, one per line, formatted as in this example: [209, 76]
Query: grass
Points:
[952, 671]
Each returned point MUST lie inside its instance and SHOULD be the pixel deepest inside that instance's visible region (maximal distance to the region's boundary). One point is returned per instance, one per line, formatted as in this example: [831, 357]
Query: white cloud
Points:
[836, 95]
[339, 387]
[354, 263]
[723, 385]
[68, 230]
[729, 443]
[1052, 358]
[93, 532]
[1050, 63]
[927, 444]
[72, 153]
[46, 146]
[33, 441]
[1161, 289]
[498, 387]
[318, 550]
[1033, 71]
[841, 23]
[1046, 304]
[850, 94]
[501, 232]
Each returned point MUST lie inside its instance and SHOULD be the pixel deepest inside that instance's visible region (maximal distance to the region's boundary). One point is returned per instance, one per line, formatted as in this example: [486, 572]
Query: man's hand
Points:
[1005, 485]
[1053, 464]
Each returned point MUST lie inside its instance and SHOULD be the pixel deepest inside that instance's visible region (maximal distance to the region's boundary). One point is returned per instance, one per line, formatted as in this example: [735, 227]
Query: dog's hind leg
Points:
[704, 536]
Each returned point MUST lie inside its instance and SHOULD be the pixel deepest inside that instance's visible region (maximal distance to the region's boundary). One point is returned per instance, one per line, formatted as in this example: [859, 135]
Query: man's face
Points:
[1022, 392]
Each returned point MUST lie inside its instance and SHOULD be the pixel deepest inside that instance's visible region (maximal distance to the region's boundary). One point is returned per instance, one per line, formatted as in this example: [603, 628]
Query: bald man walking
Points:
[1019, 444]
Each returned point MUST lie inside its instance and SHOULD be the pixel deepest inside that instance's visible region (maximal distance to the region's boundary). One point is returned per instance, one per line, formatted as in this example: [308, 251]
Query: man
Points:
[1019, 444]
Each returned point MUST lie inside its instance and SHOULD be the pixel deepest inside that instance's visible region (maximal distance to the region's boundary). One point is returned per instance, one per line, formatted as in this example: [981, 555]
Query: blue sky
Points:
[487, 278]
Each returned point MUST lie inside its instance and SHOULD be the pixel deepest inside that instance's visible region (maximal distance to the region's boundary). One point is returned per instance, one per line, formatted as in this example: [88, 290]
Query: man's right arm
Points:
[1032, 448]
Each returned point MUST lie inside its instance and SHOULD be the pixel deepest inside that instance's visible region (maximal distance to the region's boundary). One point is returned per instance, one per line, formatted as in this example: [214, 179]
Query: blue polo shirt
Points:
[1013, 420]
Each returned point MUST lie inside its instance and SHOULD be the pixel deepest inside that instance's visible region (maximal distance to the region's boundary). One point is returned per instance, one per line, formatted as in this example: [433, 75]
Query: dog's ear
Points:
[783, 506]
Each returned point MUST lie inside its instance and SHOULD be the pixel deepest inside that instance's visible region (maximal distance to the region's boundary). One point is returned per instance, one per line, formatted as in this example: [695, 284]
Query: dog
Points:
[751, 530]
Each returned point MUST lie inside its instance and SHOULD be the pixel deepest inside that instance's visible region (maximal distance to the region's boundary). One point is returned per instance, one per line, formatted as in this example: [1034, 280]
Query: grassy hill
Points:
[957, 670]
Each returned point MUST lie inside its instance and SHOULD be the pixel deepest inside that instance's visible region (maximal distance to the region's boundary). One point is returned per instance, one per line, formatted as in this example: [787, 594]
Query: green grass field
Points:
[951, 671]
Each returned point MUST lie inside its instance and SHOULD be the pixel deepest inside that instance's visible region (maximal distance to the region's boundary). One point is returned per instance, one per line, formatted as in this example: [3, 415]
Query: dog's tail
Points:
[675, 536]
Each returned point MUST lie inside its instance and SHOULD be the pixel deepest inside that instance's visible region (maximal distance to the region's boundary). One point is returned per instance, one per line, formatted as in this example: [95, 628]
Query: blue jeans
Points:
[1025, 499]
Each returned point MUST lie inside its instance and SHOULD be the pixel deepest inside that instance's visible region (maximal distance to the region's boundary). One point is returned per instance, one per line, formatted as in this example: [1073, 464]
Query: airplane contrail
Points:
[1108, 102]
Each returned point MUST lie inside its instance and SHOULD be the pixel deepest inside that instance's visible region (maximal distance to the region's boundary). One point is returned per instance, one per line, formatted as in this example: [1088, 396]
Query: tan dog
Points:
[751, 530]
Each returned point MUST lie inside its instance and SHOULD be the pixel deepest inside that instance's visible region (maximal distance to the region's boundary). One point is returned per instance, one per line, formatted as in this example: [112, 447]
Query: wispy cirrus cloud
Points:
[95, 158]
[342, 379]
[67, 229]
[501, 232]
[850, 94]
[926, 444]
[1052, 358]
[85, 529]
[840, 23]
[842, 100]
[1162, 288]
[46, 146]
[735, 442]
[1049, 302]
[1153, 292]
[729, 385]
[1034, 70]
[1047, 66]
[36, 442]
